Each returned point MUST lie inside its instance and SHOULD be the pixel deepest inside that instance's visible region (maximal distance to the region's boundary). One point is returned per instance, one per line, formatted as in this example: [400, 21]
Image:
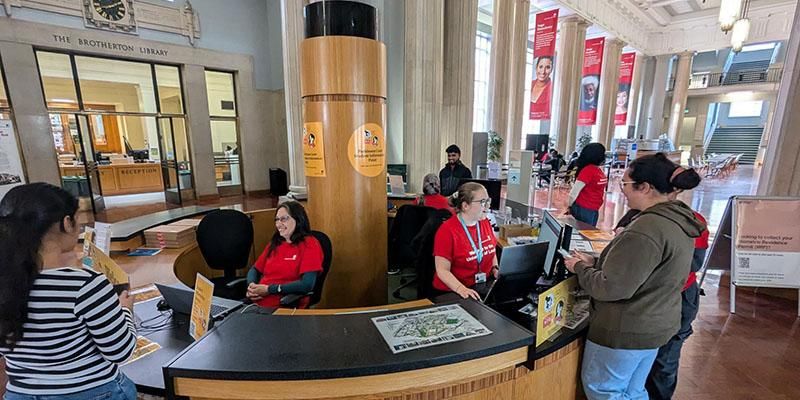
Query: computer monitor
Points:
[492, 186]
[525, 259]
[398, 169]
[550, 232]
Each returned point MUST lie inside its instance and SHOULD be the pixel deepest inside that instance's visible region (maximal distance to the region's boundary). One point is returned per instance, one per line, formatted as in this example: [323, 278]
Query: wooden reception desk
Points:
[118, 179]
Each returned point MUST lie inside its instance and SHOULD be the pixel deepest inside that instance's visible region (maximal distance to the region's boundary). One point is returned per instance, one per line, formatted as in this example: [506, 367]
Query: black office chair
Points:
[225, 238]
[423, 250]
[292, 300]
[407, 224]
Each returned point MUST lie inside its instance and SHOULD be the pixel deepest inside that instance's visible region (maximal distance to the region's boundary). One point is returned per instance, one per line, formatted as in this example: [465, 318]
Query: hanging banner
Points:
[313, 149]
[544, 48]
[366, 150]
[767, 242]
[623, 95]
[590, 83]
[10, 163]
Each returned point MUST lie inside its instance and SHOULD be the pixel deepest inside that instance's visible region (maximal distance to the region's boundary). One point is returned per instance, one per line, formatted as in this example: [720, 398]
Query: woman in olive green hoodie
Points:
[636, 283]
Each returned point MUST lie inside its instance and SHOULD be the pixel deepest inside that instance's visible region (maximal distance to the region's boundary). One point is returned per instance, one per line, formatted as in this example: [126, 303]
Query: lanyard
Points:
[477, 249]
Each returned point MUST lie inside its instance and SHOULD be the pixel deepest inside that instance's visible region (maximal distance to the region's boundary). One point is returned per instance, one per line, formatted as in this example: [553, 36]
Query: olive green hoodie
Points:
[636, 283]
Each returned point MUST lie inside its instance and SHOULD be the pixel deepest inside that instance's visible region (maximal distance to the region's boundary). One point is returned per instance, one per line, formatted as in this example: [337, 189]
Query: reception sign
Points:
[623, 95]
[544, 48]
[590, 83]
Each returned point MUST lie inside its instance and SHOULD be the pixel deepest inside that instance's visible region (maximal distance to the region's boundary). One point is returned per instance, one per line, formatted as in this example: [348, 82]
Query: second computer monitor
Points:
[550, 232]
[492, 188]
[524, 259]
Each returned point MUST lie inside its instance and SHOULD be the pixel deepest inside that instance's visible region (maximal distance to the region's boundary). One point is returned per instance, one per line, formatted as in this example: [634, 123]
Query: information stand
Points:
[759, 240]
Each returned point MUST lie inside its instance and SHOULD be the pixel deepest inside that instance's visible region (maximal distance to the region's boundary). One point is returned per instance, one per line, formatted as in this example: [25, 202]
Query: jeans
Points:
[663, 376]
[615, 374]
[584, 214]
[121, 388]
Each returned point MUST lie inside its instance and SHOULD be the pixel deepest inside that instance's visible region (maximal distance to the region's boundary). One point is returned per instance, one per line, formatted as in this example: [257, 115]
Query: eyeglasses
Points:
[283, 219]
[623, 183]
[484, 202]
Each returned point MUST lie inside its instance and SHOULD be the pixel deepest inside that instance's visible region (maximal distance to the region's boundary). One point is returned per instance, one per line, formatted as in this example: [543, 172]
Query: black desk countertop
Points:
[127, 229]
[271, 347]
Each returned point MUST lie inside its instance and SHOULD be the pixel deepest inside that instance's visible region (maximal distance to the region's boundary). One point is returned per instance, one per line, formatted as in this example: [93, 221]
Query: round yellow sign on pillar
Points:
[366, 150]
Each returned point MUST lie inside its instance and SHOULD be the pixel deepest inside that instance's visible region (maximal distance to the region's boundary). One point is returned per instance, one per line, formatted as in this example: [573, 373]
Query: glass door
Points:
[169, 163]
[86, 154]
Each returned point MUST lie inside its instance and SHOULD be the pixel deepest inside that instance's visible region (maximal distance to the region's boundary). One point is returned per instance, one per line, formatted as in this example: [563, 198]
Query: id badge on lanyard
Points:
[480, 277]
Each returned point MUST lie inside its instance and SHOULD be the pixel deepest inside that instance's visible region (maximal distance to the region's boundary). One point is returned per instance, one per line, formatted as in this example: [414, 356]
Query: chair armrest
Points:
[233, 283]
[292, 299]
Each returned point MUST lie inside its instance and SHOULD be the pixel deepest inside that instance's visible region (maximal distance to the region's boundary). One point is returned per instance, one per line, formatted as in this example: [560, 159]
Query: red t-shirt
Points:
[287, 264]
[700, 243]
[594, 191]
[451, 243]
[436, 201]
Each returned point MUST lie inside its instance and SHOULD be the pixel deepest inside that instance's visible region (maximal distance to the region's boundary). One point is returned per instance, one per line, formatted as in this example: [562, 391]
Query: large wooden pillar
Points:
[343, 89]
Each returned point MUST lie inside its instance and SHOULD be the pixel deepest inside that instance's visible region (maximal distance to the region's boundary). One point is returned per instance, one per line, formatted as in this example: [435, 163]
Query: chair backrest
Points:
[407, 223]
[423, 251]
[225, 239]
[327, 257]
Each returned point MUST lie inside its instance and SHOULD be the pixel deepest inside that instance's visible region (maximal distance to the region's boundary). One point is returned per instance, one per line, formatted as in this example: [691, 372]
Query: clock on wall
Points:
[114, 15]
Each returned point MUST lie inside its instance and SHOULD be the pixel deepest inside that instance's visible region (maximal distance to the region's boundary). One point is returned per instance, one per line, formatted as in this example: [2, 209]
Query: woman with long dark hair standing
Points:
[62, 328]
[588, 191]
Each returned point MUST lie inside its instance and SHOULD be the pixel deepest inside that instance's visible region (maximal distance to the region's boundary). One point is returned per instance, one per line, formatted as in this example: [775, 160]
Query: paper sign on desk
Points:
[553, 305]
[597, 235]
[599, 246]
[201, 306]
[88, 238]
[102, 236]
[396, 186]
[103, 264]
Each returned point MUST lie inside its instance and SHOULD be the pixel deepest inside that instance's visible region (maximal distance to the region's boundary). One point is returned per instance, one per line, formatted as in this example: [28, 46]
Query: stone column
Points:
[655, 105]
[424, 86]
[635, 93]
[569, 63]
[780, 175]
[510, 17]
[609, 87]
[517, 84]
[199, 132]
[32, 122]
[679, 94]
[460, 25]
[646, 92]
[293, 33]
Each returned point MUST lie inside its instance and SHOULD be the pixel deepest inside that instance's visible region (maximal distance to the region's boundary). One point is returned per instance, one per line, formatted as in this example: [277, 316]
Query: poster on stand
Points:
[544, 50]
[590, 82]
[10, 161]
[623, 94]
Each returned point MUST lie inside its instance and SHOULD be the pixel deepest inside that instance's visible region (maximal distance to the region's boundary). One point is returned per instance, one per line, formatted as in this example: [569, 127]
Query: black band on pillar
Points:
[340, 18]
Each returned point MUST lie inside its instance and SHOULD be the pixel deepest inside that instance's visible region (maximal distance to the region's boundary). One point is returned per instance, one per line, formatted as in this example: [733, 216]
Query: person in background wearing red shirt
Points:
[589, 189]
[663, 377]
[291, 261]
[431, 194]
[464, 246]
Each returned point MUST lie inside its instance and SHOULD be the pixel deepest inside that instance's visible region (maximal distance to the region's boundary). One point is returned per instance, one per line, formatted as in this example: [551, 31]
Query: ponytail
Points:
[662, 174]
[27, 213]
[464, 194]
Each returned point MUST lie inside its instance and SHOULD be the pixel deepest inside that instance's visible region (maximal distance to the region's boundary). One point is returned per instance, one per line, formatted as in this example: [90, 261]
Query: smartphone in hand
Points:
[565, 253]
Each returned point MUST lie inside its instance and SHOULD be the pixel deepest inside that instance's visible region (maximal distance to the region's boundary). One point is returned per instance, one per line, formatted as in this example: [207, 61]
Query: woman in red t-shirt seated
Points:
[431, 194]
[291, 261]
[589, 189]
[464, 246]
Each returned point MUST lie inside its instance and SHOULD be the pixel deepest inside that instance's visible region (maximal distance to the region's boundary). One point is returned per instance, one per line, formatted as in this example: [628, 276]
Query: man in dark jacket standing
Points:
[453, 171]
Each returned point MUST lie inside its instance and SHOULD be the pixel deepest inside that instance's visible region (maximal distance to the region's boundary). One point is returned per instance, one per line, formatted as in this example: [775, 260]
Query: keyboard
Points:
[217, 309]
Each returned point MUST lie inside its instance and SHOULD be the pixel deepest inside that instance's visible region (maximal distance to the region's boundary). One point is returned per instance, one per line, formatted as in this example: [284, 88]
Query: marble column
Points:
[609, 87]
[780, 175]
[510, 17]
[569, 62]
[517, 84]
[635, 93]
[423, 88]
[199, 132]
[460, 25]
[293, 34]
[646, 92]
[655, 105]
[679, 94]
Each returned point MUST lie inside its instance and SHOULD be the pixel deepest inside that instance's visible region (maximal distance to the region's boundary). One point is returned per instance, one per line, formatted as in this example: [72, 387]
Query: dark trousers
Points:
[663, 377]
[584, 214]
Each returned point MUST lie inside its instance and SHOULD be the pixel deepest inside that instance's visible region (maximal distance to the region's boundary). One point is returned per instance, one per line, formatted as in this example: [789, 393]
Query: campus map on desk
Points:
[429, 327]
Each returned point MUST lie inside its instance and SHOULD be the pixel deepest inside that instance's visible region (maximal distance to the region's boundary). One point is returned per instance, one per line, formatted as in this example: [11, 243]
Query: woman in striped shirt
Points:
[62, 329]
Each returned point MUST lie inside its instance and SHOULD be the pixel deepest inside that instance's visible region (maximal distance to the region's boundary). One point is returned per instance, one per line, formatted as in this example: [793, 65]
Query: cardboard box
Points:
[511, 230]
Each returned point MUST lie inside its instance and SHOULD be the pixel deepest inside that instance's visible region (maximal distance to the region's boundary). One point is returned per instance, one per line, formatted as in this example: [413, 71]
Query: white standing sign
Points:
[10, 161]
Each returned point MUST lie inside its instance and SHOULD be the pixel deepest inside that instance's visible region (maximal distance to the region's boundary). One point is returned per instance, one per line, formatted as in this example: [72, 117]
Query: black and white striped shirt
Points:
[75, 334]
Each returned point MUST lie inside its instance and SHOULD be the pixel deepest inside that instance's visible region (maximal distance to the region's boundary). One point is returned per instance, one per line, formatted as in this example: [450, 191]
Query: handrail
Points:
[712, 79]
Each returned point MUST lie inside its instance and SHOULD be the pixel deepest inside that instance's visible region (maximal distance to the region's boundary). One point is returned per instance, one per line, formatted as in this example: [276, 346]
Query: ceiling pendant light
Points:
[739, 34]
[729, 12]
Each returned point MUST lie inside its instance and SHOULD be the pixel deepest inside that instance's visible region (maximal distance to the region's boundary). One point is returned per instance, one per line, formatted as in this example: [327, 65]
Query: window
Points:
[483, 47]
[745, 109]
[224, 130]
[114, 85]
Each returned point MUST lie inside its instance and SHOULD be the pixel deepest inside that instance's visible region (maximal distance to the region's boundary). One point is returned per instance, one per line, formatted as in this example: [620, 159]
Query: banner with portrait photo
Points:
[544, 49]
[590, 82]
[623, 94]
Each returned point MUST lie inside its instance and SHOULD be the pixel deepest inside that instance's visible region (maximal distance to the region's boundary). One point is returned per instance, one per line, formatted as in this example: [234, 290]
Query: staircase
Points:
[735, 140]
[746, 72]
